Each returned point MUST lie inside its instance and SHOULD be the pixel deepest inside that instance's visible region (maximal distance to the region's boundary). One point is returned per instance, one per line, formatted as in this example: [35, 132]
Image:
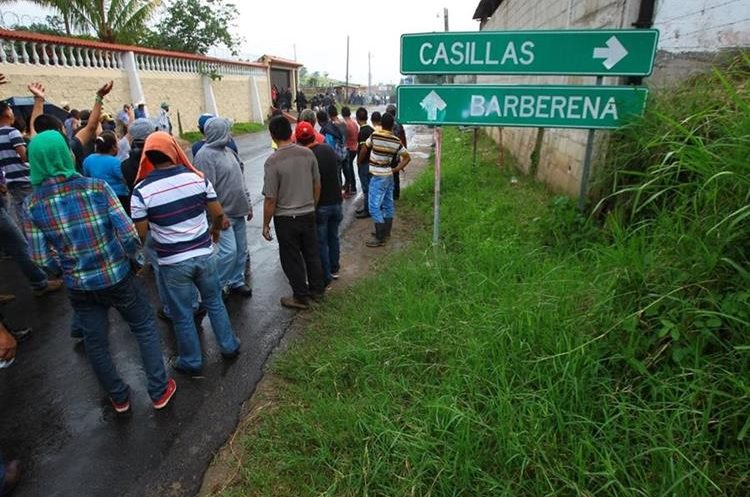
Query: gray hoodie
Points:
[224, 169]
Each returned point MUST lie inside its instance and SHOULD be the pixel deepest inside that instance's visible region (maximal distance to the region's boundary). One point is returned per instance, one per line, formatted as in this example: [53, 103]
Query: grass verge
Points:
[237, 129]
[538, 354]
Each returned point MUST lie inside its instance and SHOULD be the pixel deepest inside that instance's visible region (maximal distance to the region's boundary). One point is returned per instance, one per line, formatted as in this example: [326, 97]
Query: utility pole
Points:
[346, 89]
[438, 166]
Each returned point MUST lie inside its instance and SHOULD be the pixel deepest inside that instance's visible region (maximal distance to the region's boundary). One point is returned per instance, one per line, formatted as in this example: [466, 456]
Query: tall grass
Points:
[539, 354]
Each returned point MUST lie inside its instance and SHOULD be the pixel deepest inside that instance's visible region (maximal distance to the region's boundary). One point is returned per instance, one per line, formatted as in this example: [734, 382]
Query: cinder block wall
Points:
[693, 34]
[562, 150]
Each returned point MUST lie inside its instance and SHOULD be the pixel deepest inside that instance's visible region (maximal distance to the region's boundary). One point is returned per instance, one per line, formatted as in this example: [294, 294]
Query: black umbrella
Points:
[24, 105]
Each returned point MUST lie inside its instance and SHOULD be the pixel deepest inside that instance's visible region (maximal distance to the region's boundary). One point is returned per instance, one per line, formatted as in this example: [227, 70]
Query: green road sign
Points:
[592, 107]
[616, 52]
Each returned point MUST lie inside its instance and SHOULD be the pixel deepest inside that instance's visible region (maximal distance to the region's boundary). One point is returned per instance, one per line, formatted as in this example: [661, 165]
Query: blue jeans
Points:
[327, 219]
[92, 314]
[19, 192]
[149, 253]
[380, 197]
[232, 254]
[180, 280]
[363, 170]
[15, 245]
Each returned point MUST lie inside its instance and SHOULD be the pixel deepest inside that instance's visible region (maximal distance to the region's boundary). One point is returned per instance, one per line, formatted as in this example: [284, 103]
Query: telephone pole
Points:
[346, 89]
[445, 18]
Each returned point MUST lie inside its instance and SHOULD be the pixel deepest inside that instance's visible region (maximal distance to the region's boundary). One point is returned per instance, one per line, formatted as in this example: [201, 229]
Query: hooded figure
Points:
[139, 130]
[163, 123]
[166, 144]
[49, 157]
[78, 224]
[223, 168]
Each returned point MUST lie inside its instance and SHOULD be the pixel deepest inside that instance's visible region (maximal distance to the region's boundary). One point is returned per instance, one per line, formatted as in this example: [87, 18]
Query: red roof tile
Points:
[77, 42]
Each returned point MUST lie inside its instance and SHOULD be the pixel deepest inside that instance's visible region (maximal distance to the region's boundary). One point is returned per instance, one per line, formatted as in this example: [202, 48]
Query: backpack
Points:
[341, 152]
[336, 143]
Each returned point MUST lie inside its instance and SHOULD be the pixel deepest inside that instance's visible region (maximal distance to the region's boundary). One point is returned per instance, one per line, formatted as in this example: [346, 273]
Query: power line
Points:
[701, 11]
[678, 35]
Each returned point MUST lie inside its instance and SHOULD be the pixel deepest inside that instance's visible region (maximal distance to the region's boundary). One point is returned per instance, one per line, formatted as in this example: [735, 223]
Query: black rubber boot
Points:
[388, 227]
[379, 239]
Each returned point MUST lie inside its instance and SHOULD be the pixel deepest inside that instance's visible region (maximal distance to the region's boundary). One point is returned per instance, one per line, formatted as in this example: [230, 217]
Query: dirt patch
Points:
[357, 261]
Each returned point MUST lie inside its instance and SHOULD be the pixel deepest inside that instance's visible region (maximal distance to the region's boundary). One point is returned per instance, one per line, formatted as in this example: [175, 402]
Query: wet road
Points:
[55, 417]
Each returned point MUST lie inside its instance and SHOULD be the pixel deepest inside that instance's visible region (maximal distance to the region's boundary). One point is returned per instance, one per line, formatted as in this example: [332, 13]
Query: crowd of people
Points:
[304, 189]
[95, 200]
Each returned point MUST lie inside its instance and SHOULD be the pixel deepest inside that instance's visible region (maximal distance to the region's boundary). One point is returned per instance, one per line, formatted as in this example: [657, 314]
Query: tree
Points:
[195, 26]
[65, 10]
[122, 21]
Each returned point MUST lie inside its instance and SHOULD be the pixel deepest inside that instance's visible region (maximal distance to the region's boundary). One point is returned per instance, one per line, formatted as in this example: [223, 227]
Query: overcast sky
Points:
[319, 28]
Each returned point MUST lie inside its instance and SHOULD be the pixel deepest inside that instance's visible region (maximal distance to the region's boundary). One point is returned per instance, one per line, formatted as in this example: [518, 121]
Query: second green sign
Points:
[600, 107]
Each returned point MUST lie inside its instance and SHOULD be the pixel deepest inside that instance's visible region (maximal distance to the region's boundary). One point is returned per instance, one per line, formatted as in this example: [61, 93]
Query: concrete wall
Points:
[183, 92]
[693, 33]
[75, 86]
[235, 95]
[561, 153]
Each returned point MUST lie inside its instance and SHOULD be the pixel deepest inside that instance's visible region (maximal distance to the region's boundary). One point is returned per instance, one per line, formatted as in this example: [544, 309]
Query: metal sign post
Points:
[476, 139]
[586, 172]
[438, 178]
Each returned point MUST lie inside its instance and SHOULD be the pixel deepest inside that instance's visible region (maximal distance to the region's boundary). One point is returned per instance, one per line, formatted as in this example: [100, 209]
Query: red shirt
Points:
[352, 131]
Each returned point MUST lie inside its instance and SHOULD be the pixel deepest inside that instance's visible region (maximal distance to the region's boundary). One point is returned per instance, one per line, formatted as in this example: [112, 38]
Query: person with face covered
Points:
[171, 201]
[70, 218]
[224, 169]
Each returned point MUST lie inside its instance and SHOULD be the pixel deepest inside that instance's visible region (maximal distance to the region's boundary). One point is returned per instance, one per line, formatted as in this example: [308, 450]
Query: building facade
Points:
[693, 33]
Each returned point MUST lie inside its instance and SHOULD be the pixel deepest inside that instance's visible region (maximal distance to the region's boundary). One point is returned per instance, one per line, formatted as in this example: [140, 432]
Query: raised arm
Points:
[38, 91]
[88, 133]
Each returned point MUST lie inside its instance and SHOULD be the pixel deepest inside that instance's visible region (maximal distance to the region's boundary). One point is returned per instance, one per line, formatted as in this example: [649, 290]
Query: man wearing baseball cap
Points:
[163, 122]
[328, 214]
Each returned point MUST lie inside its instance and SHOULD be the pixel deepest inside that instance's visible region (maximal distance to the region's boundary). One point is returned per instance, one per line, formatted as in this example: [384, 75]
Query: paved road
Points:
[55, 417]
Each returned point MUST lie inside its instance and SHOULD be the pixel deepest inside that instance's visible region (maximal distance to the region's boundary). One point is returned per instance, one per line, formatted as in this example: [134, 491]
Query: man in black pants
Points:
[400, 132]
[291, 187]
[363, 167]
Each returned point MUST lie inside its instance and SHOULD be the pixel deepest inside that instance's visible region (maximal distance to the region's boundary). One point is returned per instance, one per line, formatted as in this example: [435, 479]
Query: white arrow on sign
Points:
[432, 103]
[613, 53]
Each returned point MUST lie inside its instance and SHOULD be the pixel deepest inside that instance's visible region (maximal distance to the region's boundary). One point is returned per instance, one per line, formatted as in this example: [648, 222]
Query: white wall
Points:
[702, 25]
[692, 34]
